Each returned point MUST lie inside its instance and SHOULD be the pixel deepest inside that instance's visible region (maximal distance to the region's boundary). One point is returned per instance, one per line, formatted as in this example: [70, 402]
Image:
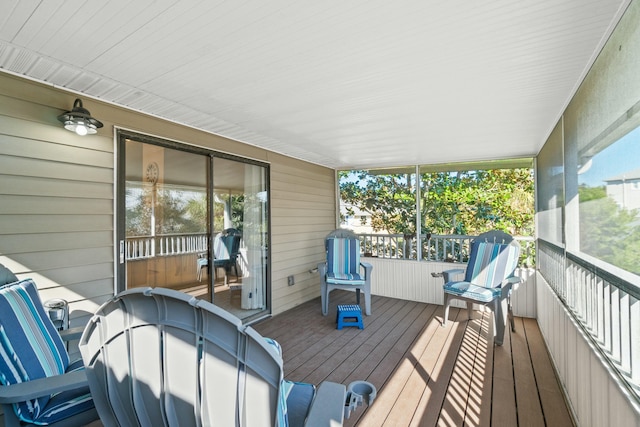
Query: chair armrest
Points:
[367, 269]
[448, 274]
[322, 269]
[327, 408]
[510, 284]
[72, 333]
[42, 387]
[513, 280]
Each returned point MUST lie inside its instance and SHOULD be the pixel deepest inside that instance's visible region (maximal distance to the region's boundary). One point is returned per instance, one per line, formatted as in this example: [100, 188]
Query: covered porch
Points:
[551, 81]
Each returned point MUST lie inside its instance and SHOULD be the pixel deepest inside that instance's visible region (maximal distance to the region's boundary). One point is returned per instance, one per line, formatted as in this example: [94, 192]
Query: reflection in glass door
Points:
[166, 218]
[194, 222]
[240, 245]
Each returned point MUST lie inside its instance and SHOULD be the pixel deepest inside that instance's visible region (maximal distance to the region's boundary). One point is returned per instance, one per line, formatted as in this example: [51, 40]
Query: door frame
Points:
[121, 135]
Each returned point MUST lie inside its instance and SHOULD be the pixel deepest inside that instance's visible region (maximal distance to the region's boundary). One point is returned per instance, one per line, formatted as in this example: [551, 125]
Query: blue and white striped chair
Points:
[489, 279]
[40, 386]
[343, 269]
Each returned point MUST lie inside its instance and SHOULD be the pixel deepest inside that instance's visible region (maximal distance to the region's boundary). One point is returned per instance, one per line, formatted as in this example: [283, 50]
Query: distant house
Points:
[353, 218]
[624, 189]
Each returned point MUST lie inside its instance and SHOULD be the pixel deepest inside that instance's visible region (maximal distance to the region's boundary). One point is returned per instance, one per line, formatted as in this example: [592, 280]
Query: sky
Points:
[618, 158]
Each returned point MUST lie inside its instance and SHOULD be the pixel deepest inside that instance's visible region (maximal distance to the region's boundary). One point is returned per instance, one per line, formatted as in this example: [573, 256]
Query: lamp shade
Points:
[79, 120]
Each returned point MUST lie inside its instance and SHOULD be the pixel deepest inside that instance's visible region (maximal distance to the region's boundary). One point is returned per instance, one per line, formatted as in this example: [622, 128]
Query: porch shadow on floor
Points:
[425, 374]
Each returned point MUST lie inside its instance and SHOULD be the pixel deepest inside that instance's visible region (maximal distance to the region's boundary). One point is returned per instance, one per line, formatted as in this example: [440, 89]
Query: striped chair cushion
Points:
[491, 263]
[298, 397]
[343, 261]
[478, 293]
[295, 397]
[67, 403]
[31, 348]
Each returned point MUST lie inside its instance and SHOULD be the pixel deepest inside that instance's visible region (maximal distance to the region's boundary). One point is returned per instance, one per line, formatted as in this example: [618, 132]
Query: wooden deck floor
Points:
[425, 374]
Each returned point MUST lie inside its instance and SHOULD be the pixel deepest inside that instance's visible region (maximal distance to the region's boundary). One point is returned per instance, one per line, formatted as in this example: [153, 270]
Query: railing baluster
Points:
[606, 306]
[625, 333]
[606, 316]
[616, 335]
[634, 339]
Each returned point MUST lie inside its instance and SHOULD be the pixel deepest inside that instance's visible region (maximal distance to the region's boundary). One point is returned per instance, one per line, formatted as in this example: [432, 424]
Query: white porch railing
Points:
[605, 306]
[143, 247]
[435, 247]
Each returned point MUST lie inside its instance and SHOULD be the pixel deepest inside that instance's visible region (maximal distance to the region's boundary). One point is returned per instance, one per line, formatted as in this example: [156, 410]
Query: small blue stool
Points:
[349, 315]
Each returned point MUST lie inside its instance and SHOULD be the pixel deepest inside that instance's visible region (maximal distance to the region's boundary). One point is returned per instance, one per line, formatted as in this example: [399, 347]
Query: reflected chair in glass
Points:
[489, 279]
[229, 254]
[226, 250]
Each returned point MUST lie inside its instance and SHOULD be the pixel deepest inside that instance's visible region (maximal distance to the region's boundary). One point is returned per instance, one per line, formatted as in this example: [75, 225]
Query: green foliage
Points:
[173, 212]
[389, 198]
[177, 212]
[591, 193]
[173, 217]
[468, 202]
[610, 233]
[138, 213]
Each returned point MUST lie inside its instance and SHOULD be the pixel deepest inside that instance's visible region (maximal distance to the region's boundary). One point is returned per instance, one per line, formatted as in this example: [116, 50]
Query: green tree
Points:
[610, 233]
[174, 212]
[591, 193]
[138, 212]
[466, 202]
[389, 198]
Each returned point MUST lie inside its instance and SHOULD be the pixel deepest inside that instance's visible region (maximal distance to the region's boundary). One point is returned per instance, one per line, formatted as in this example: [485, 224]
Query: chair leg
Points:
[469, 310]
[358, 296]
[510, 314]
[235, 268]
[367, 302]
[446, 310]
[324, 299]
[499, 319]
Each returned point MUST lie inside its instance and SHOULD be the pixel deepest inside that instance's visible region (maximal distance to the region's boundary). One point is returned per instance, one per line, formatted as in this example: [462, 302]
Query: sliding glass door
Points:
[193, 220]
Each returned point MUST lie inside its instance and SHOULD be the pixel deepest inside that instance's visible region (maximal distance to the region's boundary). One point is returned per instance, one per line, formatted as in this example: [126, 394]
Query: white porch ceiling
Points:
[344, 84]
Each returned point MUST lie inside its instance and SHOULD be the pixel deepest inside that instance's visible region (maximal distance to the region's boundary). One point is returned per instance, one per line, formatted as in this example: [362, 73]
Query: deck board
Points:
[426, 374]
[527, 401]
[503, 410]
[552, 400]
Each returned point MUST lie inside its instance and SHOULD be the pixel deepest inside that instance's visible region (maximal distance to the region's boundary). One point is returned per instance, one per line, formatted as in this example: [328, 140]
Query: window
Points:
[456, 202]
[609, 204]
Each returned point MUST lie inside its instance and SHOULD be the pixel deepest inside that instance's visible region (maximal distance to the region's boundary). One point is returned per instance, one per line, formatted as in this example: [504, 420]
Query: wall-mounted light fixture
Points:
[79, 120]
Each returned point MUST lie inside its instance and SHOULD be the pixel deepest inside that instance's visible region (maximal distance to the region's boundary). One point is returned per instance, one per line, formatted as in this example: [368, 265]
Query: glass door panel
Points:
[192, 220]
[240, 218]
[166, 218]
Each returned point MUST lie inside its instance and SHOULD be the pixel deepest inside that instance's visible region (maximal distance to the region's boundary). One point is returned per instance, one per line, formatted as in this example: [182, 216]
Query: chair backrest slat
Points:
[343, 255]
[491, 263]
